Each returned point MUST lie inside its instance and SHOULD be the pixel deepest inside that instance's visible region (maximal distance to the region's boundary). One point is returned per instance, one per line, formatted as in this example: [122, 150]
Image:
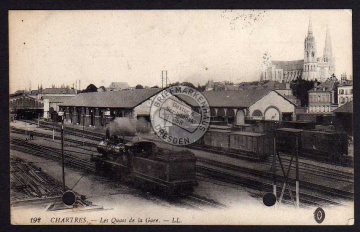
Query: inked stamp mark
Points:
[319, 215]
[175, 121]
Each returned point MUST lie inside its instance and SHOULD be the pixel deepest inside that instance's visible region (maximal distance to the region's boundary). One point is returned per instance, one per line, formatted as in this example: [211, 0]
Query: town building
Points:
[90, 109]
[282, 88]
[233, 107]
[323, 97]
[345, 90]
[117, 86]
[311, 67]
[344, 118]
[220, 86]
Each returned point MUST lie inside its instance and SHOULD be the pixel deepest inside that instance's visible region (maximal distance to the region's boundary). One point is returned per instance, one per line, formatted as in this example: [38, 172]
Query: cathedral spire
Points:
[310, 31]
[327, 55]
[327, 48]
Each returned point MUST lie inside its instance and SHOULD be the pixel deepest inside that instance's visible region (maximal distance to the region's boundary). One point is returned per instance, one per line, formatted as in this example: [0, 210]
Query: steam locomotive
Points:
[146, 166]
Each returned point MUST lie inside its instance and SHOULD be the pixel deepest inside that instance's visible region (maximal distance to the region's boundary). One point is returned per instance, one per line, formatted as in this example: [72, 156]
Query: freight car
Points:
[147, 166]
[323, 145]
[317, 144]
[254, 145]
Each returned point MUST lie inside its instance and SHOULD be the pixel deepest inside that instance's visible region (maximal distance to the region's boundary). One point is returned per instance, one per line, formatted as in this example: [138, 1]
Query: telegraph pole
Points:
[166, 79]
[162, 78]
[62, 148]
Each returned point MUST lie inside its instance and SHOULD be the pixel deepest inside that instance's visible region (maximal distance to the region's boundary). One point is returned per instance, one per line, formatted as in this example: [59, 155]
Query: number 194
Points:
[35, 220]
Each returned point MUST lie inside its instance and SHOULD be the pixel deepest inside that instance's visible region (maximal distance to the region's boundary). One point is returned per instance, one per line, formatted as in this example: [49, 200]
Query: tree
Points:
[90, 88]
[101, 89]
[201, 88]
[155, 87]
[139, 87]
[300, 90]
[228, 82]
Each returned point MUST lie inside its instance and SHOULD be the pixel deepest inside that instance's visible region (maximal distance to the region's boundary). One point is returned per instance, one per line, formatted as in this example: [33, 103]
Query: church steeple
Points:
[310, 56]
[310, 31]
[327, 55]
[327, 49]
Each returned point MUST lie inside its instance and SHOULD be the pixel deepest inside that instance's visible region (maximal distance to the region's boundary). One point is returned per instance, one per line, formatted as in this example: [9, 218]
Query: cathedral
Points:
[310, 68]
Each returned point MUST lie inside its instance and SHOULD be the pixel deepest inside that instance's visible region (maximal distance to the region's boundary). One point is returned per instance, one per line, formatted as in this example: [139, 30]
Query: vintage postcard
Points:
[181, 117]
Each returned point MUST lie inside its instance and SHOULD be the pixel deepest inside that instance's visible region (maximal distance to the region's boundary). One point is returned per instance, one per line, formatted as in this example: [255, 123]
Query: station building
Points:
[234, 107]
[23, 106]
[52, 97]
[88, 109]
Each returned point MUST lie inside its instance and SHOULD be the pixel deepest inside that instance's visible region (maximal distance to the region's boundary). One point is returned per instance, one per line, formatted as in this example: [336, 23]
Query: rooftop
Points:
[58, 99]
[119, 85]
[346, 83]
[114, 99]
[327, 85]
[346, 108]
[230, 98]
[58, 91]
[289, 65]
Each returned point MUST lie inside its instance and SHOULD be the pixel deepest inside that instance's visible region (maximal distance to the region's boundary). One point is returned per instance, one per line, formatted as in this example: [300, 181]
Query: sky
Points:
[100, 47]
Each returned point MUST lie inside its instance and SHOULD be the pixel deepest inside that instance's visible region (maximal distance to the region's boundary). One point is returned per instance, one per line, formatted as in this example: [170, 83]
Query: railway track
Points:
[306, 166]
[42, 135]
[30, 182]
[186, 200]
[51, 153]
[311, 193]
[307, 197]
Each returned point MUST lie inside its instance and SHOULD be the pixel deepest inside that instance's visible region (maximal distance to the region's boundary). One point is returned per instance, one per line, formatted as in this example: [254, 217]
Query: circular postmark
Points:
[319, 215]
[180, 115]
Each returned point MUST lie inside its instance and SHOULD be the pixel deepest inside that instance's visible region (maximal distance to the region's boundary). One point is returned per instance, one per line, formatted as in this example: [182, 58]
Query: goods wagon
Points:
[217, 138]
[147, 166]
[329, 145]
[255, 145]
[251, 144]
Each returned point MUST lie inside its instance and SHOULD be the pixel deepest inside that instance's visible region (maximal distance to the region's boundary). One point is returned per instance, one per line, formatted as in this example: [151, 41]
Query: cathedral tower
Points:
[327, 56]
[310, 60]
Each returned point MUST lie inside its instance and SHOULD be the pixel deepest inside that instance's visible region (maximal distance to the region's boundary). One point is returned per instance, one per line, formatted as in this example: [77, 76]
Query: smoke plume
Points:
[123, 126]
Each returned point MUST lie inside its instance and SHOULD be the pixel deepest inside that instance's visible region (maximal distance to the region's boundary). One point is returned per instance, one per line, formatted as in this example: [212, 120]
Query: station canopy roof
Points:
[112, 99]
[58, 91]
[346, 108]
[57, 99]
[230, 98]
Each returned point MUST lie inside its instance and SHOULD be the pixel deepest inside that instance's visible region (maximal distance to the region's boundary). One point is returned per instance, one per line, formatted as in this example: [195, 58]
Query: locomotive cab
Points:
[141, 149]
